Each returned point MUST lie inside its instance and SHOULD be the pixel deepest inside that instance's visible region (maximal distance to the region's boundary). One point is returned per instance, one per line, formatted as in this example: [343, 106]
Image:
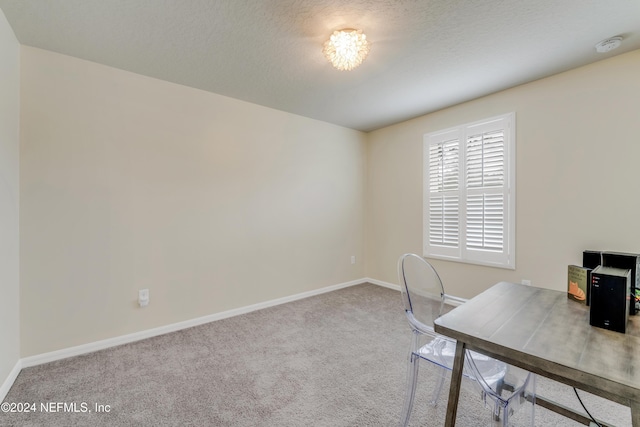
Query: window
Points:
[469, 193]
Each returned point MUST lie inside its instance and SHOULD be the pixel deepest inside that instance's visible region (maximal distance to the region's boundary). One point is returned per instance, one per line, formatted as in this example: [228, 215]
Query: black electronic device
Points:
[610, 298]
[592, 259]
[626, 261]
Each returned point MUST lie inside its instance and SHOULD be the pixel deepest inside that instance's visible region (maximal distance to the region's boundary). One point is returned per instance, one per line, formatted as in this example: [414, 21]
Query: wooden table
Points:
[544, 332]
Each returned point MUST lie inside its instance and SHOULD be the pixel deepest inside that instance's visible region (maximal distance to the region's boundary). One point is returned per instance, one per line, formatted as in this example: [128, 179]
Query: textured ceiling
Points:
[425, 55]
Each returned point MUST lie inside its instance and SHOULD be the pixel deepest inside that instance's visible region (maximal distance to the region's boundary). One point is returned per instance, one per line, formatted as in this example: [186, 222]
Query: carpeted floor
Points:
[337, 359]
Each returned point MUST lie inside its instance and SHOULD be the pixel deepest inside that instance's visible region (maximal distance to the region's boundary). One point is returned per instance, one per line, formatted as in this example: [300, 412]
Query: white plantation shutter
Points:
[485, 160]
[485, 222]
[444, 225]
[484, 170]
[444, 159]
[469, 202]
[442, 192]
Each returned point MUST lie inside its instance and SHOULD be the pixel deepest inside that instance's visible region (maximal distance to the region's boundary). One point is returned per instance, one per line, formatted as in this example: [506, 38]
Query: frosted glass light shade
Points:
[346, 49]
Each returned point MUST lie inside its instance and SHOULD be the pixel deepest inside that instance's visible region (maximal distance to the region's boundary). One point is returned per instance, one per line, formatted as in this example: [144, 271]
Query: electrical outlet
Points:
[353, 259]
[143, 297]
[526, 282]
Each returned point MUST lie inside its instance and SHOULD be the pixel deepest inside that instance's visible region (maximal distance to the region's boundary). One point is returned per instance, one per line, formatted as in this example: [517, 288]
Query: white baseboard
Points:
[384, 284]
[137, 336]
[449, 299]
[6, 386]
[52, 356]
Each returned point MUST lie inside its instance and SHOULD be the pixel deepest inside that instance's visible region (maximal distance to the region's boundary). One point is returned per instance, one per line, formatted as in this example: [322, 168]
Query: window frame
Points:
[460, 252]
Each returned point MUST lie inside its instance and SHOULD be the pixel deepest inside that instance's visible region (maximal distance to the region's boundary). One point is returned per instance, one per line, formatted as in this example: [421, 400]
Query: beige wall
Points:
[211, 203]
[9, 199]
[578, 176]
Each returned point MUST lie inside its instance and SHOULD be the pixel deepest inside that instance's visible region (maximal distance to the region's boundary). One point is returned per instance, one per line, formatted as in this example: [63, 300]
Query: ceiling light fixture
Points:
[346, 49]
[608, 44]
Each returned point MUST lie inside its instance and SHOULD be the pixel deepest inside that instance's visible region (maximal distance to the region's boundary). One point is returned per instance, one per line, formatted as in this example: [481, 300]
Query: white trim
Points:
[449, 299]
[137, 336]
[52, 356]
[6, 386]
[383, 284]
[453, 300]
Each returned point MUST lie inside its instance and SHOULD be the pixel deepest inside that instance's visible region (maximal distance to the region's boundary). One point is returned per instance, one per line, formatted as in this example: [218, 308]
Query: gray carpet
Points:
[337, 359]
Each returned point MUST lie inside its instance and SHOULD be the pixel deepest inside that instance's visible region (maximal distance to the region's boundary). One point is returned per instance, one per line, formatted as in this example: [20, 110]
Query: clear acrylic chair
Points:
[503, 387]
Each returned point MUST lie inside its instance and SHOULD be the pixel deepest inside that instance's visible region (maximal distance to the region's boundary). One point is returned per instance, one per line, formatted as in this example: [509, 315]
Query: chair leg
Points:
[412, 377]
[532, 397]
[438, 388]
[527, 396]
[505, 415]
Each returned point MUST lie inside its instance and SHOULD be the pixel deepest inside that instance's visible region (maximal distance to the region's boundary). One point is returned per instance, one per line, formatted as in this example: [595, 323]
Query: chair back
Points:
[422, 292]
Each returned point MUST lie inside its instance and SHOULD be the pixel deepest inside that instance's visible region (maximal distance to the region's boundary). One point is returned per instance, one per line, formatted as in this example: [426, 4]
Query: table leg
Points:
[456, 382]
[635, 414]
